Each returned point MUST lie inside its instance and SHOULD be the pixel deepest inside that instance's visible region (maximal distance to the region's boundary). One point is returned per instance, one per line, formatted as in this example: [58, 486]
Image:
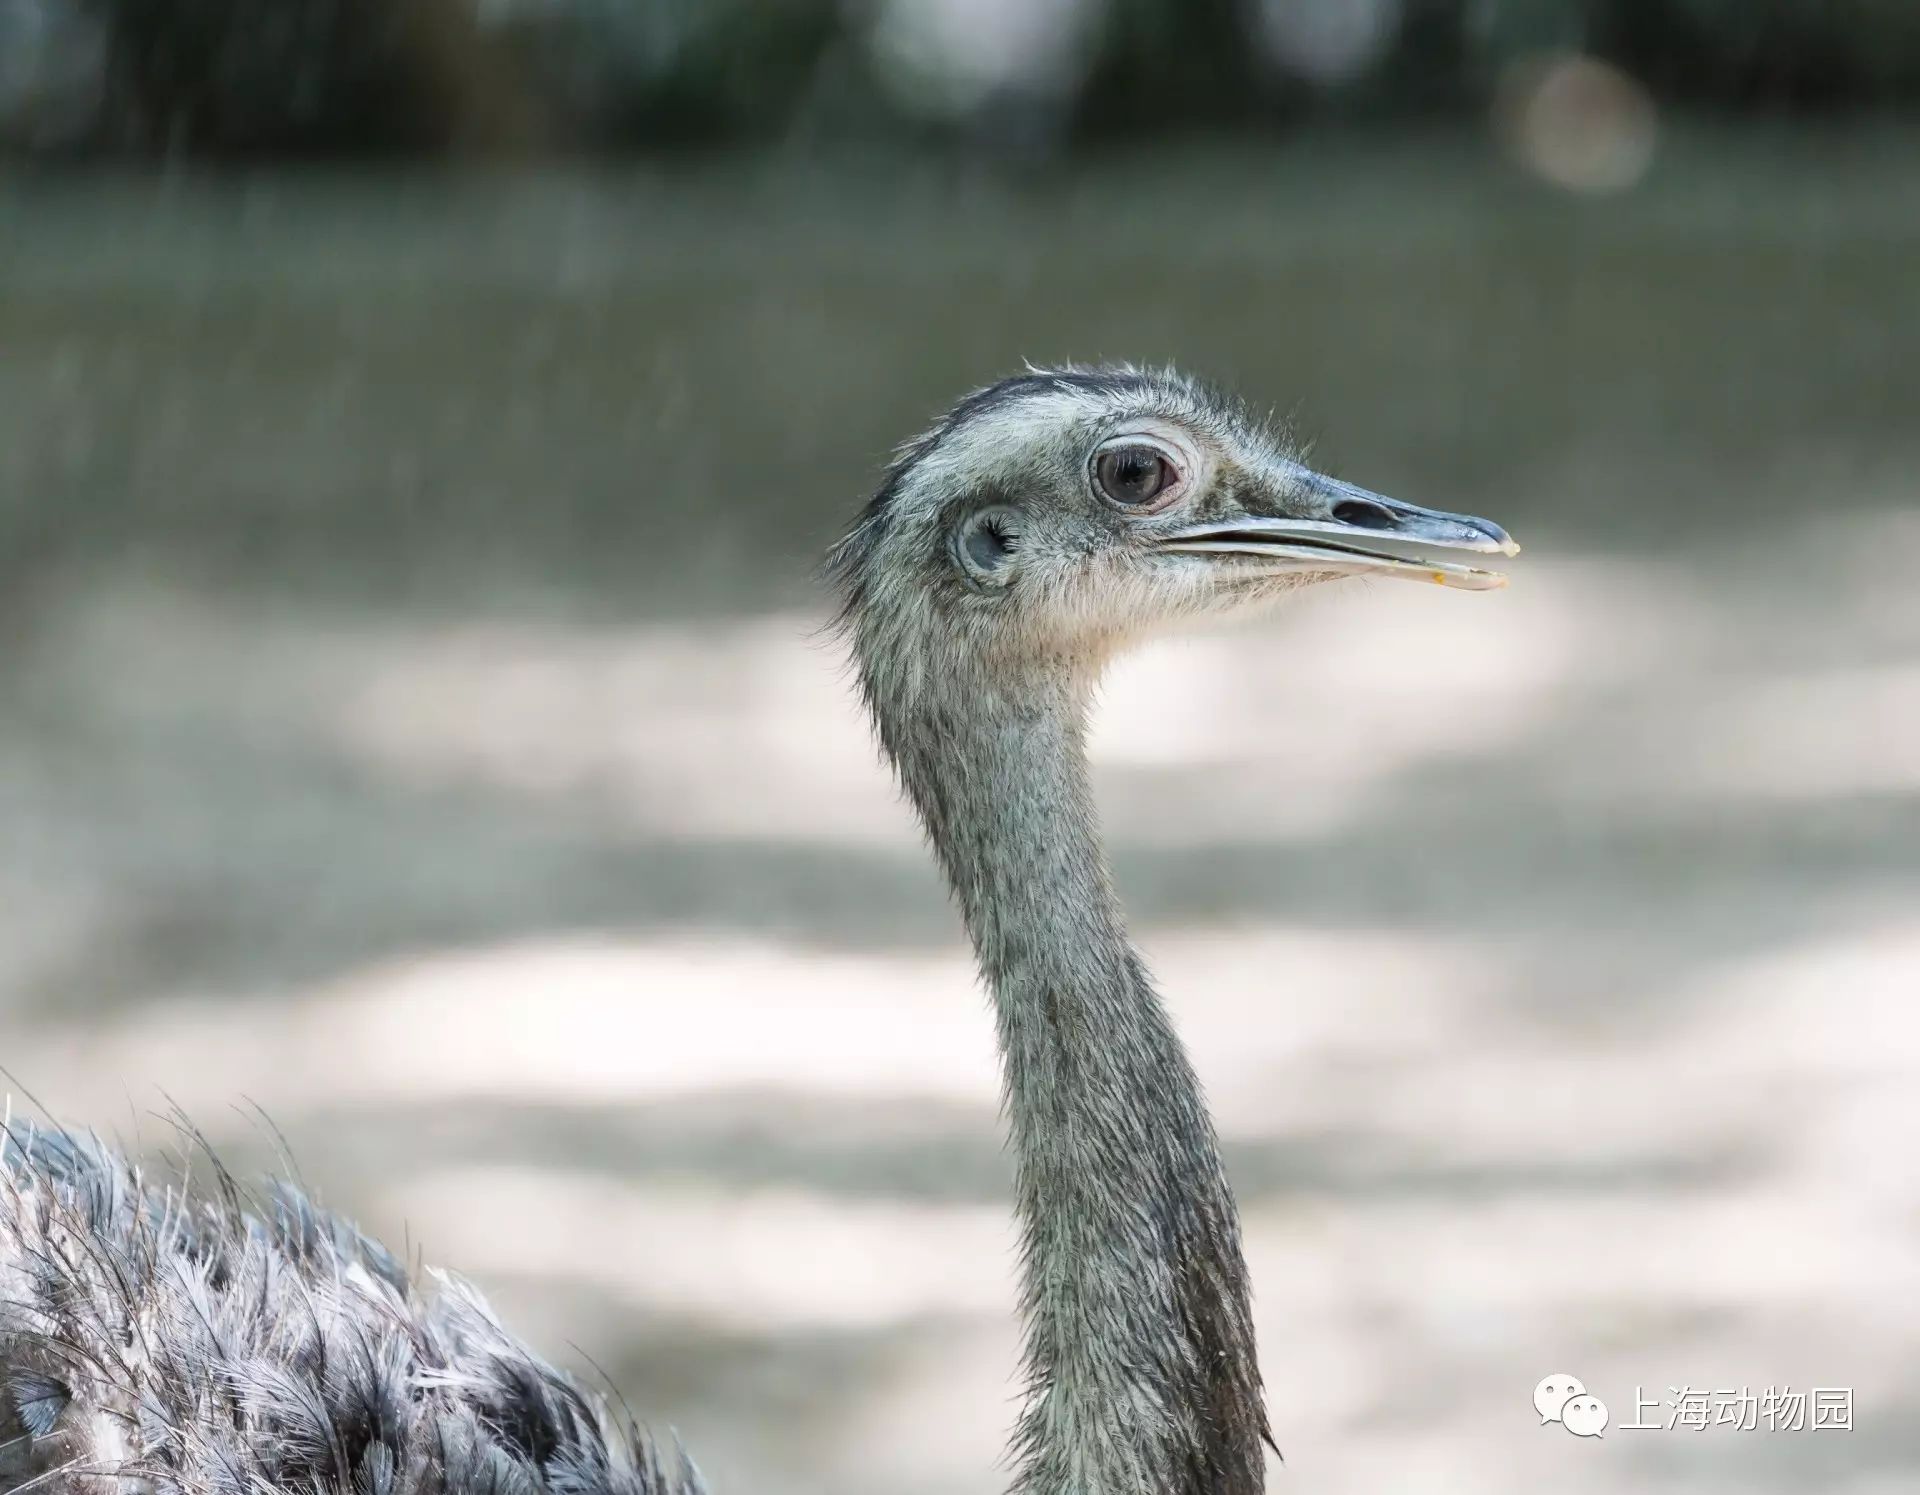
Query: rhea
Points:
[227, 1344]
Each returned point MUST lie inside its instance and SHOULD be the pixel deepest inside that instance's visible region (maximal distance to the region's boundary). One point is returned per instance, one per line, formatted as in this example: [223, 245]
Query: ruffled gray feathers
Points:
[159, 1342]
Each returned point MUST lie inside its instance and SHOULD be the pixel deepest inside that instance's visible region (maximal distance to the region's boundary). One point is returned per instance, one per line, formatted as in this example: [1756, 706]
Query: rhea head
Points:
[1052, 517]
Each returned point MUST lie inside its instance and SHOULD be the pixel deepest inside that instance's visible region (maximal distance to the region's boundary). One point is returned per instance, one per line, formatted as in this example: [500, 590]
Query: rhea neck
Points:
[1139, 1349]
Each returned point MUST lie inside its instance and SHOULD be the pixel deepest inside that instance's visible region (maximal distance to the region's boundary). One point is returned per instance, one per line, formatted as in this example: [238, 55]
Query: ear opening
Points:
[986, 544]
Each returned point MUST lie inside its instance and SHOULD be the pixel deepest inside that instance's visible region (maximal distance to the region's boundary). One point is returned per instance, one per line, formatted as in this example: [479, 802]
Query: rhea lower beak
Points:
[1360, 533]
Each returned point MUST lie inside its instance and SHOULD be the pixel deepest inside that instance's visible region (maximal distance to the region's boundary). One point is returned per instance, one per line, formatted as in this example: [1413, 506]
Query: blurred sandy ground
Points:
[412, 723]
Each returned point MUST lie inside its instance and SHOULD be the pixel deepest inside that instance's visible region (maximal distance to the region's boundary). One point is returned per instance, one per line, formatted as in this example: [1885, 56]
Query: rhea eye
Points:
[1132, 476]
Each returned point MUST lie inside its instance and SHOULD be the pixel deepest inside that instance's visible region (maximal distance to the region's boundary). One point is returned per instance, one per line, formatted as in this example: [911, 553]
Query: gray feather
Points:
[186, 1345]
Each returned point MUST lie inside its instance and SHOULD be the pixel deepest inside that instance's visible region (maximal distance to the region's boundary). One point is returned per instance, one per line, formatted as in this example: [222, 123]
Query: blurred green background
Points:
[242, 78]
[418, 427]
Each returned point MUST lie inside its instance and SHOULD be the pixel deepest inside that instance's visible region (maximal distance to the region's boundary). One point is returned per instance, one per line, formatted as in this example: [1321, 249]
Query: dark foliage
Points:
[362, 77]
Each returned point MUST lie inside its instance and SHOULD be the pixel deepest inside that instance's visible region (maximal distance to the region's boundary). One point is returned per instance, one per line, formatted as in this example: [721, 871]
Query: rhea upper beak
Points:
[1354, 531]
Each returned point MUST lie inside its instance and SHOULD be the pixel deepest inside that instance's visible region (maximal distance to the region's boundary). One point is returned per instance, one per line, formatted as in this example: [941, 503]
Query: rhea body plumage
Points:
[222, 1344]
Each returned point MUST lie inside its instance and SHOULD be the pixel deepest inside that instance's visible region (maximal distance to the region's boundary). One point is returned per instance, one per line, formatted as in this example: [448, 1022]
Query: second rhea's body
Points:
[1041, 526]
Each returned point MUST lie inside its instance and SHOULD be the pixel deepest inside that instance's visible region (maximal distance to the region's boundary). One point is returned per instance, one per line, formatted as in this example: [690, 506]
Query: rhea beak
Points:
[1361, 533]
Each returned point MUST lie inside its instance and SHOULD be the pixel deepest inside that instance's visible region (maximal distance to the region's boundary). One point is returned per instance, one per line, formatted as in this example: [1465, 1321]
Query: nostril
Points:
[1363, 515]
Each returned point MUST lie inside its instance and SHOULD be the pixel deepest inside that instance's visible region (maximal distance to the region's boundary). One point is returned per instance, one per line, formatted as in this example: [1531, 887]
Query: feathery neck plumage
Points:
[1140, 1352]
